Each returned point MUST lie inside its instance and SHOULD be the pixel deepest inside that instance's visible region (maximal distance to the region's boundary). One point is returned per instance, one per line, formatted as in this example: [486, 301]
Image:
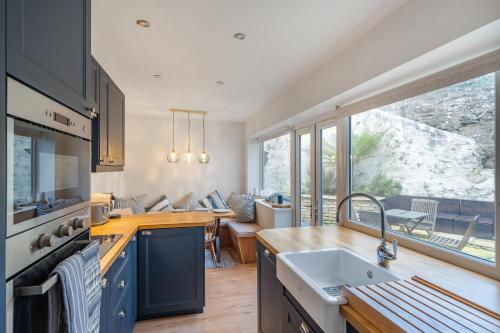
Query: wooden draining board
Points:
[418, 306]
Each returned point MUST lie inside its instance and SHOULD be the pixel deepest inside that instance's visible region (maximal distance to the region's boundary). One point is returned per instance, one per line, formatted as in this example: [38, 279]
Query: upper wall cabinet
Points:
[108, 128]
[48, 48]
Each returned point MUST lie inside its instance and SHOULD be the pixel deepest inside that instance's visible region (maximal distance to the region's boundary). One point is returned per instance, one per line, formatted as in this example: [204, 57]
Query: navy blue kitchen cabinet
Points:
[294, 318]
[270, 292]
[119, 298]
[108, 128]
[48, 48]
[171, 272]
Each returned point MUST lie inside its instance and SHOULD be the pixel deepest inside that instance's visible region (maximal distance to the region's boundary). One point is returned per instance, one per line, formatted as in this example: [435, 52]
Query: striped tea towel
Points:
[71, 275]
[93, 289]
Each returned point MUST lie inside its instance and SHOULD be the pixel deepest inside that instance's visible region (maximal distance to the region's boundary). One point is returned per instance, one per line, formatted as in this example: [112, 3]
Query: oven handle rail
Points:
[36, 290]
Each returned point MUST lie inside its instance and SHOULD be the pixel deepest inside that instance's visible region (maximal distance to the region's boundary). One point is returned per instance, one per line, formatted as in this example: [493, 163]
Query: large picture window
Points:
[431, 160]
[276, 165]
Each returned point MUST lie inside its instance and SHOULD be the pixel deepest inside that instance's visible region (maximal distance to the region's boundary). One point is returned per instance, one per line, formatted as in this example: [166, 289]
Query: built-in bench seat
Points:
[244, 240]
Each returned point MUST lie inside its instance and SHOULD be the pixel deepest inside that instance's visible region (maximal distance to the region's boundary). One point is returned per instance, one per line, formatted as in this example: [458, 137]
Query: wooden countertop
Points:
[471, 286]
[128, 226]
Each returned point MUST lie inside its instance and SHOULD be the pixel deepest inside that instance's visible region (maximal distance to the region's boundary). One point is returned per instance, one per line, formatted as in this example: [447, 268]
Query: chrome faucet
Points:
[384, 255]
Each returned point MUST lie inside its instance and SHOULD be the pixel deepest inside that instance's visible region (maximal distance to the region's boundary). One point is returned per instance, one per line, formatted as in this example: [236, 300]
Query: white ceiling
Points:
[190, 44]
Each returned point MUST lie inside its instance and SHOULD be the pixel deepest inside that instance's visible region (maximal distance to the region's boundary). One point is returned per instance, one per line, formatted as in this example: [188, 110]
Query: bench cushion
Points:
[243, 229]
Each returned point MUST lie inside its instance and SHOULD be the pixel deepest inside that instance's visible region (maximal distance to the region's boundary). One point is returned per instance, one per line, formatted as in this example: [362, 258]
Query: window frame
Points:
[262, 140]
[341, 116]
[482, 266]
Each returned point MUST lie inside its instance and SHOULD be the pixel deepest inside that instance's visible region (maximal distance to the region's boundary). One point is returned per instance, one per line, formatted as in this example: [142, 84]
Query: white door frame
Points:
[298, 133]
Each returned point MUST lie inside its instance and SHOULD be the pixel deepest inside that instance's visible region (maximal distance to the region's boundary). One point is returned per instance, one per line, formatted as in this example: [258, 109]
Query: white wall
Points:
[417, 28]
[148, 138]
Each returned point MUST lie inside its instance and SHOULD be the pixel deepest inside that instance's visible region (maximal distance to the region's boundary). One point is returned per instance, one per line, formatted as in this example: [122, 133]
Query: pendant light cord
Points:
[189, 132]
[203, 132]
[173, 130]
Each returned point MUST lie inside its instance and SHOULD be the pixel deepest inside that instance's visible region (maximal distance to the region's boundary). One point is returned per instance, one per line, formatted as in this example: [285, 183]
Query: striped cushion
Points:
[243, 207]
[213, 201]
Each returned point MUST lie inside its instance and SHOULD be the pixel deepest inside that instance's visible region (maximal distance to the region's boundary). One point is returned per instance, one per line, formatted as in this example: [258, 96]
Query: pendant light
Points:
[172, 157]
[189, 156]
[204, 158]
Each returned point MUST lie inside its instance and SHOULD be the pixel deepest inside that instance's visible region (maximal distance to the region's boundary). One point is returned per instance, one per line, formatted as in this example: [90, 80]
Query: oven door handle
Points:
[36, 290]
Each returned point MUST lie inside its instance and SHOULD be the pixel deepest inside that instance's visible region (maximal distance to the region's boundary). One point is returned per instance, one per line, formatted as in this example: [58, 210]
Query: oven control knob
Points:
[65, 230]
[46, 241]
[77, 223]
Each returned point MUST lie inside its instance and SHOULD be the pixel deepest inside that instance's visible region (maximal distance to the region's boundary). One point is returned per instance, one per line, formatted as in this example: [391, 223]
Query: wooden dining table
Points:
[409, 220]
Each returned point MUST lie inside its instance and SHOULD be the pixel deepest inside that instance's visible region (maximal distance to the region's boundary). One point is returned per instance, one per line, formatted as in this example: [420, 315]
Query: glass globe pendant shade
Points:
[189, 157]
[204, 158]
[172, 157]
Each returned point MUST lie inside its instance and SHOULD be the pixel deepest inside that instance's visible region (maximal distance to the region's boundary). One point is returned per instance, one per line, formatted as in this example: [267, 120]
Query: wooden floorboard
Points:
[231, 305]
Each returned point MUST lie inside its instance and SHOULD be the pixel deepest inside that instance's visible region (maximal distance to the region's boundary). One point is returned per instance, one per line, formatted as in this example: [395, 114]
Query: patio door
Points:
[316, 175]
[305, 188]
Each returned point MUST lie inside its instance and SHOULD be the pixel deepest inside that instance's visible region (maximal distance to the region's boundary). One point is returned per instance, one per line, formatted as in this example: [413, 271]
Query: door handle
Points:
[146, 233]
[267, 253]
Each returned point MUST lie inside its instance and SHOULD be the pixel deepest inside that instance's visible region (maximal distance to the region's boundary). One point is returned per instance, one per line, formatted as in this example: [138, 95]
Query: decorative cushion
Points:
[213, 201]
[141, 203]
[244, 229]
[243, 207]
[163, 205]
[183, 203]
[155, 201]
[136, 203]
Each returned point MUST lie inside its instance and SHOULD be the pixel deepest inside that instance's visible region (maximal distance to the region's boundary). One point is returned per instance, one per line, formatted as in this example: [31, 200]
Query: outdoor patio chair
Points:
[429, 207]
[456, 244]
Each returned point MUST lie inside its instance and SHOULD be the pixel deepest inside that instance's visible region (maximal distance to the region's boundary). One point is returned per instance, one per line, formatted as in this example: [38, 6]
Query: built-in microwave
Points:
[48, 159]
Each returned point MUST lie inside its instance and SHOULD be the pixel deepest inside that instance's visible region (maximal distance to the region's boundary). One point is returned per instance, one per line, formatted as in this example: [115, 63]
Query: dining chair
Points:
[429, 207]
[210, 237]
[456, 244]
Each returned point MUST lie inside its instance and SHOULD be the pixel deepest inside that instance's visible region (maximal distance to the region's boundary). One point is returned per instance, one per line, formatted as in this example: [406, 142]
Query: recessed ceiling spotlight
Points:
[220, 83]
[240, 36]
[157, 76]
[143, 23]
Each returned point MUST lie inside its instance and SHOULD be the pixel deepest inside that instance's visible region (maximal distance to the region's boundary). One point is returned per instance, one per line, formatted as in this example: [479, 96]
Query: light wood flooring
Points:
[231, 305]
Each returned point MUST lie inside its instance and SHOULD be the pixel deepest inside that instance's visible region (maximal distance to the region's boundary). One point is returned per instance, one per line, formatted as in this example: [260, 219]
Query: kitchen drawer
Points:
[122, 319]
[122, 260]
[122, 282]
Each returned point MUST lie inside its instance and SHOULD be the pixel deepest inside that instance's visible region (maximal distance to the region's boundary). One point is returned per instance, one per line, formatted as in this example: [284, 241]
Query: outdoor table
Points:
[409, 219]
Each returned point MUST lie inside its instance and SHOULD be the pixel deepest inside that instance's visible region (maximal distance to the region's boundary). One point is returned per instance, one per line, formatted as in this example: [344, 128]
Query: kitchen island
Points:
[156, 269]
[478, 290]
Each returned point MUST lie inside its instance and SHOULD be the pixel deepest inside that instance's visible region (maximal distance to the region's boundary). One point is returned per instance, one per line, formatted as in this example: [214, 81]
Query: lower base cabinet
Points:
[278, 310]
[119, 292]
[171, 272]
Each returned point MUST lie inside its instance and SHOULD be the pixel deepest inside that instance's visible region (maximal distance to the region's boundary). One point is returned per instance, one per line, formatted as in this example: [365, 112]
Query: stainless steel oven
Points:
[48, 185]
[48, 159]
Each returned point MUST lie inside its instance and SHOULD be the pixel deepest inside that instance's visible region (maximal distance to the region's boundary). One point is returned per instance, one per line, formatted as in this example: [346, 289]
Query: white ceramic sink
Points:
[315, 279]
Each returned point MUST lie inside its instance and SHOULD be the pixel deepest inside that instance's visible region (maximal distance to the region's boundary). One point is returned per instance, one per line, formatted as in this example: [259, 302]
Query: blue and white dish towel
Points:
[79, 279]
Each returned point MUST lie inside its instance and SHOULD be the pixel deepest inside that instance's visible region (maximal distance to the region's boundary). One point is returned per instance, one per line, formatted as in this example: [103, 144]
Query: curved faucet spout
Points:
[383, 254]
[375, 201]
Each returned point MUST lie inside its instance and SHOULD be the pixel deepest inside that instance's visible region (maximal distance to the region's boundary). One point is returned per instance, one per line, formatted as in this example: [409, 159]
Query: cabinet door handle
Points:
[304, 328]
[267, 253]
[104, 283]
[111, 161]
[121, 314]
[133, 239]
[123, 254]
[122, 284]
[146, 233]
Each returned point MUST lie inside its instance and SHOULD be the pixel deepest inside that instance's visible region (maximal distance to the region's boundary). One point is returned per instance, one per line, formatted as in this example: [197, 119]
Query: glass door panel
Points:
[328, 174]
[305, 180]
